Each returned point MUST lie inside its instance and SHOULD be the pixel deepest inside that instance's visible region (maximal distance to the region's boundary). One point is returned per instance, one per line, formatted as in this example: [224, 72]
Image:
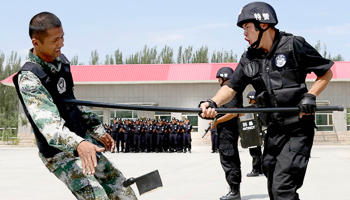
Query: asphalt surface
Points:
[185, 176]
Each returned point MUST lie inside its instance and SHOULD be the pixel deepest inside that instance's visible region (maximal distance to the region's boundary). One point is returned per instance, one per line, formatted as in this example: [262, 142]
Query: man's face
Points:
[137, 122]
[174, 121]
[114, 121]
[221, 81]
[51, 46]
[251, 35]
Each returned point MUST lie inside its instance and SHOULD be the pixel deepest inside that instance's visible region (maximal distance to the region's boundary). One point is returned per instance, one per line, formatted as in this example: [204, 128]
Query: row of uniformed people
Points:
[151, 135]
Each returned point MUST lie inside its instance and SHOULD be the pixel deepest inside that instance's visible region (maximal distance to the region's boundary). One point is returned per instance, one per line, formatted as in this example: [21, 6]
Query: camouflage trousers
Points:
[105, 184]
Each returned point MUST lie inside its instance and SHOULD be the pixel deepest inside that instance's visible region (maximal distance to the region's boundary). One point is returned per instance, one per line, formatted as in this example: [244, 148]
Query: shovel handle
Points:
[129, 182]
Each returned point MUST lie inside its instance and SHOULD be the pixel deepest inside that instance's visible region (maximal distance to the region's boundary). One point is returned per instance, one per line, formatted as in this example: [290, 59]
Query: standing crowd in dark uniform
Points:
[151, 135]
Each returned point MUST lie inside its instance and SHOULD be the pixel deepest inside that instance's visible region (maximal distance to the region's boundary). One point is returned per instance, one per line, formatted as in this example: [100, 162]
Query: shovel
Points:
[146, 182]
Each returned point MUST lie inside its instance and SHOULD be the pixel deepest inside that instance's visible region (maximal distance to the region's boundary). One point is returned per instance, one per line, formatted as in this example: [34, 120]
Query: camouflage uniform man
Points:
[65, 131]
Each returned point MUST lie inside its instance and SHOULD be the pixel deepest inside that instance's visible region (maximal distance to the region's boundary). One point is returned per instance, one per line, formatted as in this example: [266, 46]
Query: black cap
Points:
[148, 119]
[153, 120]
[173, 118]
[115, 118]
[137, 119]
[186, 118]
[177, 120]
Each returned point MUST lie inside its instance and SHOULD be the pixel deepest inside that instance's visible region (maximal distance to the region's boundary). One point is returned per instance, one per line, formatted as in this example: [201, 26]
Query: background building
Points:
[185, 85]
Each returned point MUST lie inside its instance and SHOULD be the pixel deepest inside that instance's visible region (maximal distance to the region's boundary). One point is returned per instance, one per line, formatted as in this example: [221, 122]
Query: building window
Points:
[130, 114]
[193, 120]
[99, 113]
[162, 115]
[348, 119]
[324, 121]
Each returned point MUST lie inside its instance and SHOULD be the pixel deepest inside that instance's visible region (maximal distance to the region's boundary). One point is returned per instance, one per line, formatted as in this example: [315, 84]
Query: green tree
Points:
[94, 58]
[179, 55]
[149, 56]
[201, 56]
[327, 55]
[166, 55]
[74, 60]
[187, 56]
[8, 98]
[118, 57]
[146, 56]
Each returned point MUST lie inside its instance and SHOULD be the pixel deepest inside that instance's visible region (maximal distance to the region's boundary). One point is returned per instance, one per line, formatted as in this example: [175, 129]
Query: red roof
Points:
[99, 74]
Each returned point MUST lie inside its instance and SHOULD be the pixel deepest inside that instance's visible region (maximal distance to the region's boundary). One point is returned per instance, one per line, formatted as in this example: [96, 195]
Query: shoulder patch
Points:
[251, 69]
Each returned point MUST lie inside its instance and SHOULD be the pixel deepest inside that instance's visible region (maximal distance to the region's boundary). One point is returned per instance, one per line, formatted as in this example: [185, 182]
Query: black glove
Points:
[308, 104]
[212, 104]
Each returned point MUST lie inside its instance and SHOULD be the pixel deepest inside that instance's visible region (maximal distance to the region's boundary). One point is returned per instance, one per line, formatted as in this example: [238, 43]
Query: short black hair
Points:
[42, 22]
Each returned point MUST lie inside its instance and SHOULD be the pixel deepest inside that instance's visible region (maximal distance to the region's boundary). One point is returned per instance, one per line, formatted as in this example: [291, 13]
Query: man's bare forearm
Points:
[321, 83]
[224, 95]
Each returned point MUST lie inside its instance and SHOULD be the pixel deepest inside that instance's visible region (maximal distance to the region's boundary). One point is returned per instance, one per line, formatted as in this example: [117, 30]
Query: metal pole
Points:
[196, 110]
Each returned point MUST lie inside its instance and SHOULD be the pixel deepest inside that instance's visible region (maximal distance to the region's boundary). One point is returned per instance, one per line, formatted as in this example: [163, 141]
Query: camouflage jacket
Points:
[44, 112]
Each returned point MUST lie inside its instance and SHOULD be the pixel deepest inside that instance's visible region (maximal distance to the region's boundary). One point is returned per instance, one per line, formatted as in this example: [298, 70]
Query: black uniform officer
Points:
[160, 136]
[255, 152]
[173, 129]
[155, 125]
[127, 131]
[120, 138]
[137, 136]
[166, 136]
[180, 136]
[149, 135]
[227, 129]
[143, 135]
[187, 135]
[115, 133]
[276, 64]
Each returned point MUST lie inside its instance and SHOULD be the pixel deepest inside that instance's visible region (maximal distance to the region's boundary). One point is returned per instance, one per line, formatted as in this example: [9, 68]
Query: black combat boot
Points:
[234, 194]
[253, 173]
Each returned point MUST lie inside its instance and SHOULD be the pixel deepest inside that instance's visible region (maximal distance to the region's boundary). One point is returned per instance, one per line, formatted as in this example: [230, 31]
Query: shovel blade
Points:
[148, 182]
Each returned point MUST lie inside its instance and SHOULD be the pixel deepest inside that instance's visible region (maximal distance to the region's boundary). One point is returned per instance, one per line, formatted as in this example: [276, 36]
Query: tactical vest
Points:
[277, 81]
[60, 86]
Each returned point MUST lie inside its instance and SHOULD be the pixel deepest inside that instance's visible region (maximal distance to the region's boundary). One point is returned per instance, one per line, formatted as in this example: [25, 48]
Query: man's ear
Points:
[264, 26]
[35, 42]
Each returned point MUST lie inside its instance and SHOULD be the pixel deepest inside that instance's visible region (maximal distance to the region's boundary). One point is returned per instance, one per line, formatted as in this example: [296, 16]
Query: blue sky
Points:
[129, 25]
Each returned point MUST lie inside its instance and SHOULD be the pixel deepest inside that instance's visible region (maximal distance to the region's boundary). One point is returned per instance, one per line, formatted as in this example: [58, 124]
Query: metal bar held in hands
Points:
[197, 110]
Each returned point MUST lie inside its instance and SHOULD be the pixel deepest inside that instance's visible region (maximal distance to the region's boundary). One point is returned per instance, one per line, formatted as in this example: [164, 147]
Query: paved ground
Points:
[196, 176]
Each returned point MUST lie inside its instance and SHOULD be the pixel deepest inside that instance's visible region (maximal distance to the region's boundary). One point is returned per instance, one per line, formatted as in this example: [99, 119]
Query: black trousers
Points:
[160, 142]
[286, 155]
[149, 141]
[137, 142]
[257, 158]
[179, 141]
[166, 142]
[127, 142]
[187, 141]
[229, 157]
[120, 141]
[172, 140]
